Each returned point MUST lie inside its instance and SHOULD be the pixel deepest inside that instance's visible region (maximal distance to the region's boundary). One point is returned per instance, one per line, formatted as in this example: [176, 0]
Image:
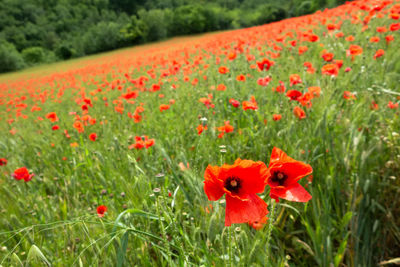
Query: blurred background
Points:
[33, 32]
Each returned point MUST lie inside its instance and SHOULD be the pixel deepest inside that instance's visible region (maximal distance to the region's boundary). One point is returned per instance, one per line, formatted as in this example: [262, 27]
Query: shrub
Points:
[34, 55]
[10, 59]
[65, 51]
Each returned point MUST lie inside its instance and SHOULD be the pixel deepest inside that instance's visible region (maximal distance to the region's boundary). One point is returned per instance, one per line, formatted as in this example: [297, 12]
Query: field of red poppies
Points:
[276, 145]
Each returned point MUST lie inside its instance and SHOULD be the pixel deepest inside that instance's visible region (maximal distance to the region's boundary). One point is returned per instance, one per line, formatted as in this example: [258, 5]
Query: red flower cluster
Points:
[22, 173]
[242, 181]
[226, 128]
[252, 104]
[142, 142]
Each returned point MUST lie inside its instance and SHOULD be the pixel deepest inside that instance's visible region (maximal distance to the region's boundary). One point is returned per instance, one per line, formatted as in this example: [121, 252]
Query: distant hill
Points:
[40, 31]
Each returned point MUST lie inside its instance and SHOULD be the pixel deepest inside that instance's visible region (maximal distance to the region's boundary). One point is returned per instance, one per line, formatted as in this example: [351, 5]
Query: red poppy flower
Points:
[390, 105]
[93, 136]
[55, 127]
[281, 88]
[299, 113]
[389, 38]
[155, 87]
[241, 78]
[101, 210]
[265, 64]
[252, 104]
[283, 176]
[22, 173]
[374, 105]
[293, 94]
[240, 182]
[305, 100]
[223, 70]
[295, 79]
[339, 63]
[328, 57]
[277, 117]
[381, 29]
[379, 53]
[374, 39]
[130, 95]
[302, 49]
[330, 69]
[313, 38]
[52, 116]
[231, 56]
[227, 128]
[79, 126]
[164, 107]
[331, 27]
[264, 81]
[354, 50]
[3, 161]
[207, 102]
[258, 225]
[201, 128]
[394, 27]
[315, 90]
[234, 102]
[148, 142]
[221, 87]
[348, 95]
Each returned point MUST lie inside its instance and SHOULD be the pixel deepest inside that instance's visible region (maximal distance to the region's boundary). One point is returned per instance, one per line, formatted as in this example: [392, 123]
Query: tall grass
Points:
[158, 214]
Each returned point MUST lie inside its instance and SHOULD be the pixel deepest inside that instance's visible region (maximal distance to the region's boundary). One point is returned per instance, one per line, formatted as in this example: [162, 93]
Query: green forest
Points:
[33, 32]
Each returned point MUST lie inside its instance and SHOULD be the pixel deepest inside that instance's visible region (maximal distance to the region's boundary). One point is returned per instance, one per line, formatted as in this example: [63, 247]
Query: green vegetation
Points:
[47, 31]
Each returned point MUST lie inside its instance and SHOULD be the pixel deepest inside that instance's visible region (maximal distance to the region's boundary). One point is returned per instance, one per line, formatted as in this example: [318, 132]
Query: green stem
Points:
[271, 222]
[230, 263]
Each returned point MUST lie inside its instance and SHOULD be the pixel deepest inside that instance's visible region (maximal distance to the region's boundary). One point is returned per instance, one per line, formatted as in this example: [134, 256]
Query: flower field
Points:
[277, 145]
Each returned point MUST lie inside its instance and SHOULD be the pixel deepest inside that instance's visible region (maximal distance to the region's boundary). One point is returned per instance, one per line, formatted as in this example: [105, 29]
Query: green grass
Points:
[159, 215]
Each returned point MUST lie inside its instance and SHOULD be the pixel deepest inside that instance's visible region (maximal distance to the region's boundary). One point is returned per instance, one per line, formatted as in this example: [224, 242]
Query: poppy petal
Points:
[238, 211]
[213, 187]
[279, 155]
[297, 193]
[253, 176]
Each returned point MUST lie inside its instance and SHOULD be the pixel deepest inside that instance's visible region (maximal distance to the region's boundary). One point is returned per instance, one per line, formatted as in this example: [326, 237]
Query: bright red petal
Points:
[213, 187]
[295, 193]
[253, 176]
[279, 155]
[238, 211]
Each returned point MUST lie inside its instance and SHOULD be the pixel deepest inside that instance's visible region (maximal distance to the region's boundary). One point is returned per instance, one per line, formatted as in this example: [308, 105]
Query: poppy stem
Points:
[230, 246]
[270, 223]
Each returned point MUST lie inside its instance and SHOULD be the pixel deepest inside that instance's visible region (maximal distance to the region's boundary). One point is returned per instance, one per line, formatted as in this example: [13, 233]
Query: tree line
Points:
[41, 31]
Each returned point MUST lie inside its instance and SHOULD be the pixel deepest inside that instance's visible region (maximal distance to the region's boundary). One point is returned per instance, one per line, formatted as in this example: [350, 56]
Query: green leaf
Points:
[122, 250]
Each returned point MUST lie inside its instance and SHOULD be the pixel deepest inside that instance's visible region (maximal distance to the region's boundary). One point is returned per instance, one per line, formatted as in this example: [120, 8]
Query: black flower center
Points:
[233, 184]
[279, 177]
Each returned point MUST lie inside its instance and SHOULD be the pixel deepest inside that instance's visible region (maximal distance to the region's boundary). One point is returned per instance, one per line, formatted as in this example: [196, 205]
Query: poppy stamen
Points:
[233, 184]
[279, 177]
